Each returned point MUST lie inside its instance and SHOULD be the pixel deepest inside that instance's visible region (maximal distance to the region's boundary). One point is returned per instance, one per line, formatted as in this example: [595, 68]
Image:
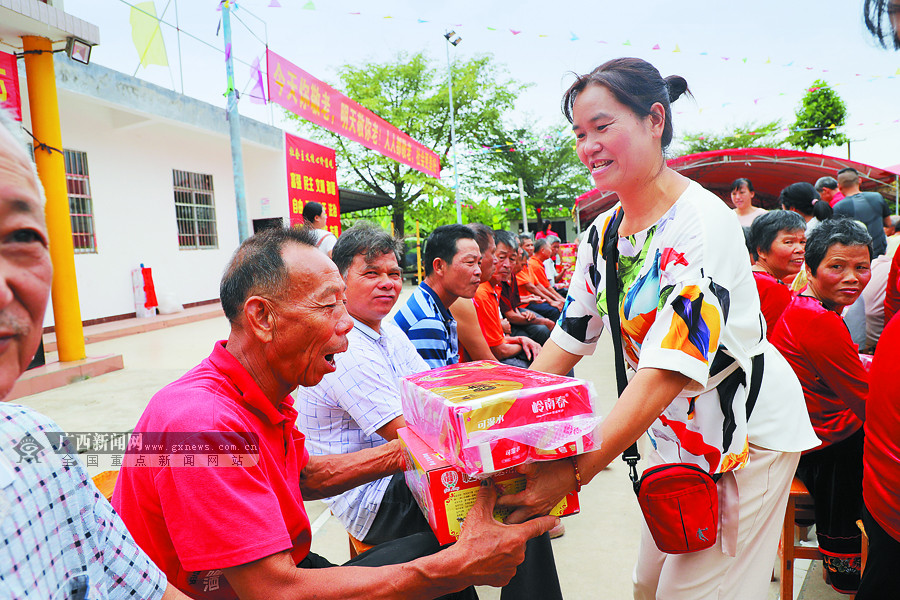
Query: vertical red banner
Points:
[312, 177]
[10, 99]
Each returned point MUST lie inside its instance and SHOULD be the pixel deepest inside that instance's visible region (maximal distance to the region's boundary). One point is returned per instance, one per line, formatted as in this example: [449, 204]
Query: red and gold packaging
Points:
[445, 493]
[485, 417]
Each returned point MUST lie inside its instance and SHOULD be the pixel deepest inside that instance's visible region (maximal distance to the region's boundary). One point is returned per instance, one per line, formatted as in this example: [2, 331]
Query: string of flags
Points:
[574, 37]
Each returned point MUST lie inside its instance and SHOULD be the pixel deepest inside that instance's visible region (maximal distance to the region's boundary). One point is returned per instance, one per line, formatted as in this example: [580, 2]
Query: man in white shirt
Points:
[358, 406]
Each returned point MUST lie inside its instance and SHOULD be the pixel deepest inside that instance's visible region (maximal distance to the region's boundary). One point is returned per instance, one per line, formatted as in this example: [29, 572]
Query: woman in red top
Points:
[777, 240]
[881, 470]
[813, 338]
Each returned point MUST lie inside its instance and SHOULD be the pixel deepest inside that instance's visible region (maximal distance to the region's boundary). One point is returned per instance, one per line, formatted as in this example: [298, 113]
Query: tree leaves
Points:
[411, 93]
[819, 116]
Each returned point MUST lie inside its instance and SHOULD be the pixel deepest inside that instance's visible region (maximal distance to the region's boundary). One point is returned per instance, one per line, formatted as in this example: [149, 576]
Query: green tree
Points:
[545, 160]
[750, 135]
[819, 116]
[411, 93]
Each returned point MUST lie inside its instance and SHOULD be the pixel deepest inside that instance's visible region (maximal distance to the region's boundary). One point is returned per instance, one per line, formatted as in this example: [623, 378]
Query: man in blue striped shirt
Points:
[452, 270]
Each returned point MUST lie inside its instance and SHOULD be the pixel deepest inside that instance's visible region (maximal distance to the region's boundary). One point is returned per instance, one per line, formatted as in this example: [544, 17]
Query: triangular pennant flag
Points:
[309, 5]
[574, 37]
[258, 93]
[492, 29]
[768, 61]
[422, 20]
[677, 49]
[655, 47]
[756, 101]
[274, 4]
[388, 17]
[626, 43]
[146, 35]
[515, 31]
[227, 51]
[898, 72]
[745, 60]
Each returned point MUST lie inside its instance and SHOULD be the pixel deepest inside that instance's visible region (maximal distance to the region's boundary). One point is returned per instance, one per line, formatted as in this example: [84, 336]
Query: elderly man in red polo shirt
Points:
[241, 531]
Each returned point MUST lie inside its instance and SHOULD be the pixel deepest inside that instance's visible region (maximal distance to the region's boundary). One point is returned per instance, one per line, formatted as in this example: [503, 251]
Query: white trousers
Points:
[763, 486]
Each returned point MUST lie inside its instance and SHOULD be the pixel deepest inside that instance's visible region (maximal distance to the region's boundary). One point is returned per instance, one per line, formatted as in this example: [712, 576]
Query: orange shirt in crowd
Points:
[524, 277]
[538, 274]
[487, 306]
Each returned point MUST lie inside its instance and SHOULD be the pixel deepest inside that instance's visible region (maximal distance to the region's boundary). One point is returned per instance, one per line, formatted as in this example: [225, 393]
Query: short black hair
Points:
[311, 210]
[766, 227]
[442, 244]
[257, 267]
[484, 235]
[840, 229]
[737, 183]
[502, 236]
[365, 238]
[803, 198]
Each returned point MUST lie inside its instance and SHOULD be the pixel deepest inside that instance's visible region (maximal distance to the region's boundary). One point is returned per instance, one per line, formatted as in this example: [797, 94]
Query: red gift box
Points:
[485, 416]
[445, 493]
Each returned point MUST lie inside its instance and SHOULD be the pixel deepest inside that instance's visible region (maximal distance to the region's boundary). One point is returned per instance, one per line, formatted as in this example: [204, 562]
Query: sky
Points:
[745, 62]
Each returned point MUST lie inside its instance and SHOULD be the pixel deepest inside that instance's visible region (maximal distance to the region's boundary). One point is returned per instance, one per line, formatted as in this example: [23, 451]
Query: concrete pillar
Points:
[44, 105]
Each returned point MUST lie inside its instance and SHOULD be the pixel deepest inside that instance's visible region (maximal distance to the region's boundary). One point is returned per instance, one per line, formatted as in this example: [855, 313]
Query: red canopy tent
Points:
[770, 170]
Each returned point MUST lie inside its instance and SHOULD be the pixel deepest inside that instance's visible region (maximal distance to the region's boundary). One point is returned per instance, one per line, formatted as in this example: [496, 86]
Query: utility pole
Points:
[458, 39]
[522, 200]
[234, 125]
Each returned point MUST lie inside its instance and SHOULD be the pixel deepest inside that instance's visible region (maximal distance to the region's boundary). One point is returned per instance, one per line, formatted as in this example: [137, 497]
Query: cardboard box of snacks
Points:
[485, 417]
[445, 494]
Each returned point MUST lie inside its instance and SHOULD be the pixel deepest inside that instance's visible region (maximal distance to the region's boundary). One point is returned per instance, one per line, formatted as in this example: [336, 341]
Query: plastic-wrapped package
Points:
[485, 416]
[445, 494]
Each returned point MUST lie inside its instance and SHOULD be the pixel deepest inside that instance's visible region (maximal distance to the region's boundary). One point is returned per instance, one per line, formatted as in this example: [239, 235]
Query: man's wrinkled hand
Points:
[546, 483]
[492, 549]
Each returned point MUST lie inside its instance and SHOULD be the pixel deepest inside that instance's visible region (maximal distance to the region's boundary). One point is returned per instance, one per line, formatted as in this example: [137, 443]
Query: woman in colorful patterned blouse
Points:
[815, 341]
[690, 328]
[777, 240]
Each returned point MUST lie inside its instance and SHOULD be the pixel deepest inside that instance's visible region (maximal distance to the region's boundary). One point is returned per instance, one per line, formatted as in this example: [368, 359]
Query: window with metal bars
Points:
[81, 208]
[195, 210]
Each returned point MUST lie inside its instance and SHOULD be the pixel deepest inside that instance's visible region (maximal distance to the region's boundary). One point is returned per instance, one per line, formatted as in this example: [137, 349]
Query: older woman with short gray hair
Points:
[813, 338]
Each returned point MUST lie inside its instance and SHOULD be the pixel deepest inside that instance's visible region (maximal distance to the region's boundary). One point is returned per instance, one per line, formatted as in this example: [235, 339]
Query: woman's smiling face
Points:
[619, 148]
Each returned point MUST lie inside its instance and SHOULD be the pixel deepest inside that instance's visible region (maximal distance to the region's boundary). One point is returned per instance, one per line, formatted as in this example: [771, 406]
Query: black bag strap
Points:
[611, 255]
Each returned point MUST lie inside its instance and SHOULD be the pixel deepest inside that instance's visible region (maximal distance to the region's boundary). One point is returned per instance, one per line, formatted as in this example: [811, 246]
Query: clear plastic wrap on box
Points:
[485, 416]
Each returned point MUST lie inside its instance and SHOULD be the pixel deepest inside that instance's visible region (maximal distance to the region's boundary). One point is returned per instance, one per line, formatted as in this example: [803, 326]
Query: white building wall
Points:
[131, 156]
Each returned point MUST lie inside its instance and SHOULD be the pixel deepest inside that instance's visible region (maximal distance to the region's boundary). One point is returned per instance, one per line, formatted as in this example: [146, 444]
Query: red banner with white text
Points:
[312, 177]
[317, 102]
[10, 99]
